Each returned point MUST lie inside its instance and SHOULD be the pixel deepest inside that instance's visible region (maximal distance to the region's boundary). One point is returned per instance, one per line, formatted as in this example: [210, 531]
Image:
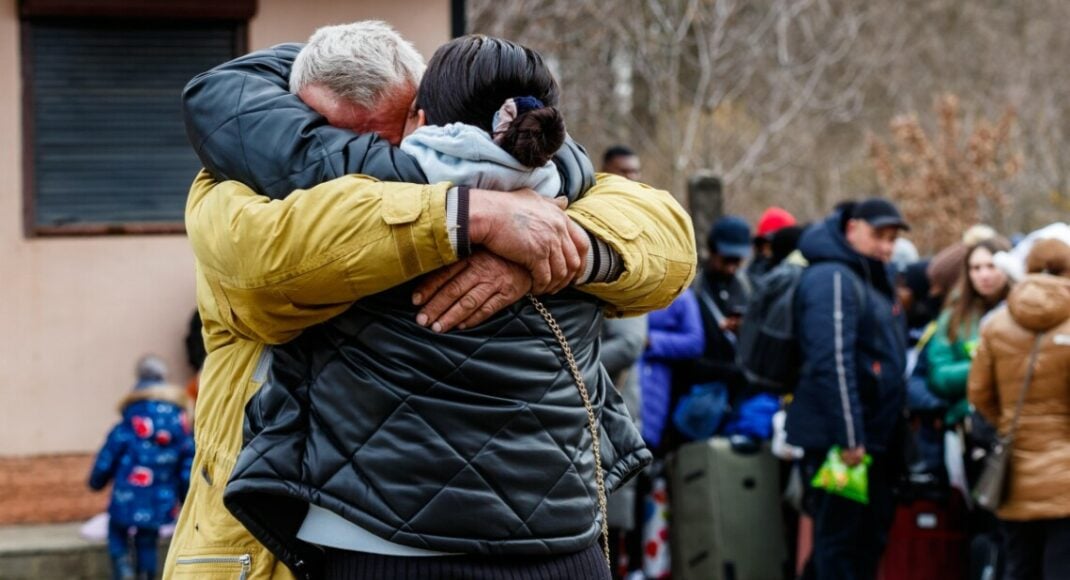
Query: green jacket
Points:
[949, 366]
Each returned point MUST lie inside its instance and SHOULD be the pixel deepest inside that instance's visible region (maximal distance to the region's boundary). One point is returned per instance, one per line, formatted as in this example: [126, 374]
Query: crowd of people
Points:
[915, 365]
[491, 363]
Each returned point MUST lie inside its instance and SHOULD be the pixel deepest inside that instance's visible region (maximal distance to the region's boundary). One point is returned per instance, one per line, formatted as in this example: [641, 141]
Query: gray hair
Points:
[360, 62]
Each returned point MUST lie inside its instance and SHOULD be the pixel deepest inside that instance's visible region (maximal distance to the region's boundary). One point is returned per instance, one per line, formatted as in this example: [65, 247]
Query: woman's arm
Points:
[983, 392]
[948, 365]
[688, 341]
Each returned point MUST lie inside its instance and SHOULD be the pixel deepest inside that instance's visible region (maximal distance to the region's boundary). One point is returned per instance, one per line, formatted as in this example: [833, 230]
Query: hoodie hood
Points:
[466, 155]
[1040, 302]
[825, 242]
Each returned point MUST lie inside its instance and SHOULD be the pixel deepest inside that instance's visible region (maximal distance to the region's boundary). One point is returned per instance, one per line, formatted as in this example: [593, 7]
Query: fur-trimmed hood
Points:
[160, 392]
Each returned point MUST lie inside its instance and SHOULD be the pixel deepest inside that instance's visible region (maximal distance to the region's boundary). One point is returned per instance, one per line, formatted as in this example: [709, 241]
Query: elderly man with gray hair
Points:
[288, 232]
[361, 77]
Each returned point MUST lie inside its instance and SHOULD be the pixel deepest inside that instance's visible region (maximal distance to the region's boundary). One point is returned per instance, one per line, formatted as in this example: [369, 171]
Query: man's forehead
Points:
[886, 232]
[881, 232]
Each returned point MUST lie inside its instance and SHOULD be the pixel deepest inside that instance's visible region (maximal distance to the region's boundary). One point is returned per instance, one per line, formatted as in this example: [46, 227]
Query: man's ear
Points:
[421, 118]
[852, 225]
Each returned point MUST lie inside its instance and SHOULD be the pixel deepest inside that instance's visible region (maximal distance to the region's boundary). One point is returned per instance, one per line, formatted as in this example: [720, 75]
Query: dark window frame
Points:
[106, 14]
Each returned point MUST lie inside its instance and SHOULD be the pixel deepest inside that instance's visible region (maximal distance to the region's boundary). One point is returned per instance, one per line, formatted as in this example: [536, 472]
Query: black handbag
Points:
[992, 485]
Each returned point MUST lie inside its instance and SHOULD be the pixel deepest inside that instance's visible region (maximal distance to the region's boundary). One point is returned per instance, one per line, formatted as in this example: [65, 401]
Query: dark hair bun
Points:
[535, 136]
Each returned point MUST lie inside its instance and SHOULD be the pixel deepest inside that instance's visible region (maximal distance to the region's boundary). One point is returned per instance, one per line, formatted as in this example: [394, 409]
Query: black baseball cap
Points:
[730, 237]
[879, 213]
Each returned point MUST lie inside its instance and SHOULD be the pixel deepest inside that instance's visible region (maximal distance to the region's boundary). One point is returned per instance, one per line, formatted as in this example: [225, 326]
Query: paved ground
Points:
[32, 539]
[52, 552]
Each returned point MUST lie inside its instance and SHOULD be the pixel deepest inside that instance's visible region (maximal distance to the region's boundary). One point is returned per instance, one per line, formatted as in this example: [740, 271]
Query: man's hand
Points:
[853, 457]
[531, 230]
[470, 291]
[732, 324]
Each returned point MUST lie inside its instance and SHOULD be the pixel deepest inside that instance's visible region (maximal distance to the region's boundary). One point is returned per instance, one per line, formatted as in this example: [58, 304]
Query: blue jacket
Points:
[675, 334]
[852, 337]
[149, 455]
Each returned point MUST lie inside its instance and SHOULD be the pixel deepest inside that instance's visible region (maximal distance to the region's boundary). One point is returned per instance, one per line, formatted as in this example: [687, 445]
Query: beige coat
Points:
[1039, 485]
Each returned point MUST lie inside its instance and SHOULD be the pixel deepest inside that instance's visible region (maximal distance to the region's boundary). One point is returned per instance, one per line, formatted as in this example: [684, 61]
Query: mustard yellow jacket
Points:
[268, 269]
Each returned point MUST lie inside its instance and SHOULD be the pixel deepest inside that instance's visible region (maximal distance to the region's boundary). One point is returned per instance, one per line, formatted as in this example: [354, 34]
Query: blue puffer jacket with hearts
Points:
[149, 455]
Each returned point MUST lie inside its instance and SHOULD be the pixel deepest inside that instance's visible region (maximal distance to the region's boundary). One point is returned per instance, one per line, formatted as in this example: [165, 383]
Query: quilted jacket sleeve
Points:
[246, 126]
[276, 267]
[107, 462]
[620, 463]
[234, 111]
[186, 453]
[653, 235]
[828, 335]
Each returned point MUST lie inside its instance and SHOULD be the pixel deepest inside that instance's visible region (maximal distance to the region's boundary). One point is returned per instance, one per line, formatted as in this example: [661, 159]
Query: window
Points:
[105, 148]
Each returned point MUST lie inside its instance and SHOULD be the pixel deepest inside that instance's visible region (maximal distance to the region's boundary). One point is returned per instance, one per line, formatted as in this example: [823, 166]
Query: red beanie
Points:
[773, 219]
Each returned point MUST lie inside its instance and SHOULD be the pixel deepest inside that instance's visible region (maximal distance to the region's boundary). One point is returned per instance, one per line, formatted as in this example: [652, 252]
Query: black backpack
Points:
[767, 350]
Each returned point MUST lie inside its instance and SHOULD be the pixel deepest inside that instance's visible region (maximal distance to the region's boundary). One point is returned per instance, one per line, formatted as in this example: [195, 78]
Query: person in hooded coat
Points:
[1036, 510]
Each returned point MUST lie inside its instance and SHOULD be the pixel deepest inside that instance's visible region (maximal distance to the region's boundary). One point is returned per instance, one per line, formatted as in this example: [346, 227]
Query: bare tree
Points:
[948, 181]
[777, 97]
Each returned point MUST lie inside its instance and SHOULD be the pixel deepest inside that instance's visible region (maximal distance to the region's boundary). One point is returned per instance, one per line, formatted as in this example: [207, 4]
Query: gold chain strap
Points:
[592, 423]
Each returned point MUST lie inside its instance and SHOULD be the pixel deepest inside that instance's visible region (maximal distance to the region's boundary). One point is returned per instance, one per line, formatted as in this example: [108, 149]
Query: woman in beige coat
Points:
[1036, 508]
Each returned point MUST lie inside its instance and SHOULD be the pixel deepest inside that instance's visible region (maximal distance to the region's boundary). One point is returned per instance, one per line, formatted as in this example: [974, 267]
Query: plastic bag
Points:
[698, 415]
[837, 478]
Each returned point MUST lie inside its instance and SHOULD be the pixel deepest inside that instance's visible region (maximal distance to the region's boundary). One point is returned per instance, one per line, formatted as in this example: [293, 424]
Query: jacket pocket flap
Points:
[402, 208]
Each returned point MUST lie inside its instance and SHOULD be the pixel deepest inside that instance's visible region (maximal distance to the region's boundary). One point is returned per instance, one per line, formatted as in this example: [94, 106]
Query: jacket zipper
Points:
[245, 560]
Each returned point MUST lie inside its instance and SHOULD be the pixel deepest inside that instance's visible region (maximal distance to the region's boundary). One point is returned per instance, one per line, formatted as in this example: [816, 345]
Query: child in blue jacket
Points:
[149, 455]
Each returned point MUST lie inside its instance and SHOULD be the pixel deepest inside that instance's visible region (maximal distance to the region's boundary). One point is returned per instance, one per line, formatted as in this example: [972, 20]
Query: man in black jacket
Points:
[722, 300]
[851, 388]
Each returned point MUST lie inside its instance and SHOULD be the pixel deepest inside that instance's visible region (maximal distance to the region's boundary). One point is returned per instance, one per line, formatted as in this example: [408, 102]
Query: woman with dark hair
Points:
[982, 287]
[482, 453]
[486, 116]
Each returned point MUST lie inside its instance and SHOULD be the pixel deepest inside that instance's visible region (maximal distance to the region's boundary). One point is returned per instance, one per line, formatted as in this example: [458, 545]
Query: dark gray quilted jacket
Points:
[245, 125]
[473, 441]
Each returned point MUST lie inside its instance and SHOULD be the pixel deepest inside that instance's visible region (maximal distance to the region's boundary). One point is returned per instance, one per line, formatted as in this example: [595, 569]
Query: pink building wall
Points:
[76, 312]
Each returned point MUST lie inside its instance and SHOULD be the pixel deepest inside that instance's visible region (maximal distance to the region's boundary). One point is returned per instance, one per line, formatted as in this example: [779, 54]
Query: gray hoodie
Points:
[467, 155]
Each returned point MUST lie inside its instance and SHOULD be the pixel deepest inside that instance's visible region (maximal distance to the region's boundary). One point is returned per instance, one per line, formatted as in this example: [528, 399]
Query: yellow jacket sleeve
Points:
[652, 234]
[276, 267]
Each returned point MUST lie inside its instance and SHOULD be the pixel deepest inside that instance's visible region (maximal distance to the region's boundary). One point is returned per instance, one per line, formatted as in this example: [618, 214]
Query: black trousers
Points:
[586, 564]
[1037, 550]
[849, 537]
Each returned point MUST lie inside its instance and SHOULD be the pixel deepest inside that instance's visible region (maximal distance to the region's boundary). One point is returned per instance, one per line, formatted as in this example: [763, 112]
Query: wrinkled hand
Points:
[468, 292]
[531, 230]
[853, 457]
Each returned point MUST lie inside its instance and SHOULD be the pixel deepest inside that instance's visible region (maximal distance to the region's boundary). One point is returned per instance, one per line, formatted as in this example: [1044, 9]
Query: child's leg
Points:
[119, 550]
[146, 541]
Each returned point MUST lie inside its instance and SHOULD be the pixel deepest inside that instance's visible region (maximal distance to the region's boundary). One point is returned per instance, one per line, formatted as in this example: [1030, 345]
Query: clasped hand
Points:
[522, 243]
